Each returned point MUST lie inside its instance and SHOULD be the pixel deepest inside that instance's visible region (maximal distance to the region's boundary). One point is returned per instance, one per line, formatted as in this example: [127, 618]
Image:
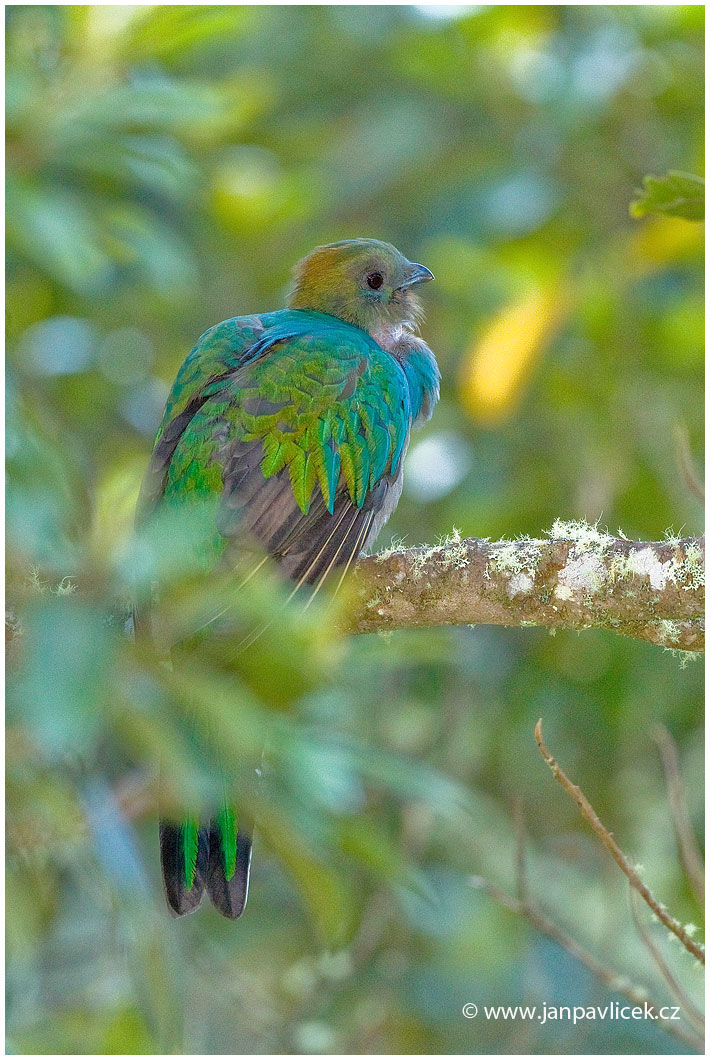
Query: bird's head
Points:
[363, 281]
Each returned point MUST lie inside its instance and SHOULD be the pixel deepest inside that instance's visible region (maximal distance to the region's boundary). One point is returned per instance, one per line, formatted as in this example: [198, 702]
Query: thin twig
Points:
[520, 863]
[694, 1016]
[137, 794]
[375, 921]
[613, 980]
[590, 816]
[688, 849]
[686, 464]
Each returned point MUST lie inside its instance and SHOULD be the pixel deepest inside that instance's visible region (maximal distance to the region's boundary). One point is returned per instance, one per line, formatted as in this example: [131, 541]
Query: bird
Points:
[294, 425]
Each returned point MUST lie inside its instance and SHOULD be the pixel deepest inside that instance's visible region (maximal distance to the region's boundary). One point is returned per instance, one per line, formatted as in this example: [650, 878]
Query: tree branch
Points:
[579, 578]
[590, 815]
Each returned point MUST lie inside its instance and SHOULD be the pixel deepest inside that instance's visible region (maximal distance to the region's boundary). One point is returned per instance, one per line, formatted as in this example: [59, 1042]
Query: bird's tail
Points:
[214, 857]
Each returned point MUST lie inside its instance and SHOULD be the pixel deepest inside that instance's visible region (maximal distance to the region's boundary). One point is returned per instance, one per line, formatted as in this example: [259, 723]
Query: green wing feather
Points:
[220, 349]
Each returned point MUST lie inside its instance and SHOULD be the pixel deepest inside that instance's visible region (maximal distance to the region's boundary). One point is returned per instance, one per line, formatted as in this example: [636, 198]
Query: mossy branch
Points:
[578, 578]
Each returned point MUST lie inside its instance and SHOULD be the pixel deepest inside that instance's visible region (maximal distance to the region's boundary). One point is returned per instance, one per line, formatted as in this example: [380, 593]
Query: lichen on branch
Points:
[577, 578]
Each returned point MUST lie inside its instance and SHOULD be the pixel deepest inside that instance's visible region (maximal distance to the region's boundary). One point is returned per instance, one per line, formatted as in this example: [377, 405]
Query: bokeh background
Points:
[166, 166]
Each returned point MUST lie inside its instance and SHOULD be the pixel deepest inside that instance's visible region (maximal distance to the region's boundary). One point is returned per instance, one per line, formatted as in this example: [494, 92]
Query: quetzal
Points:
[295, 424]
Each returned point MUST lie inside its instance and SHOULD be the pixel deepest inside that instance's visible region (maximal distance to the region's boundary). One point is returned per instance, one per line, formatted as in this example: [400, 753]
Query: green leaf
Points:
[327, 893]
[676, 195]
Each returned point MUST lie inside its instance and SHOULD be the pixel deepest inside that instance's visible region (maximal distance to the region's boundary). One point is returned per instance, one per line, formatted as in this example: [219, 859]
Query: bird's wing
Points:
[217, 354]
[303, 443]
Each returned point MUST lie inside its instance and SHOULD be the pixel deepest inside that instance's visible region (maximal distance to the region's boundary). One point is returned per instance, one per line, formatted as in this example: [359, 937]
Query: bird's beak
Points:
[418, 274]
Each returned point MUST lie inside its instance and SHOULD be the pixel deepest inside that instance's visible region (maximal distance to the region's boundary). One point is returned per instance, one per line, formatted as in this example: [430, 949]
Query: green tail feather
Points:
[190, 831]
[226, 822]
[184, 856]
[227, 877]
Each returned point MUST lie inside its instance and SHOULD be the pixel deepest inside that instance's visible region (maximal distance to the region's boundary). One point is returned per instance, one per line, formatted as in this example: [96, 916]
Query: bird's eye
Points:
[375, 281]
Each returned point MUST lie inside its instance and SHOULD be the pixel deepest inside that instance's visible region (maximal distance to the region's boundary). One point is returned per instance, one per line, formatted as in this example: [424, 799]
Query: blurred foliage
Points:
[165, 168]
[676, 194]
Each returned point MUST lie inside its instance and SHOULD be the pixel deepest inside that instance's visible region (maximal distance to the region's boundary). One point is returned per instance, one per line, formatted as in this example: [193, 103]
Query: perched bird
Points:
[296, 423]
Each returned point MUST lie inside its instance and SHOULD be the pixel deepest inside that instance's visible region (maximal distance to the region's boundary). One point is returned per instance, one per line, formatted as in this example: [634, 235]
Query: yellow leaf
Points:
[500, 361]
[116, 496]
[662, 240]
